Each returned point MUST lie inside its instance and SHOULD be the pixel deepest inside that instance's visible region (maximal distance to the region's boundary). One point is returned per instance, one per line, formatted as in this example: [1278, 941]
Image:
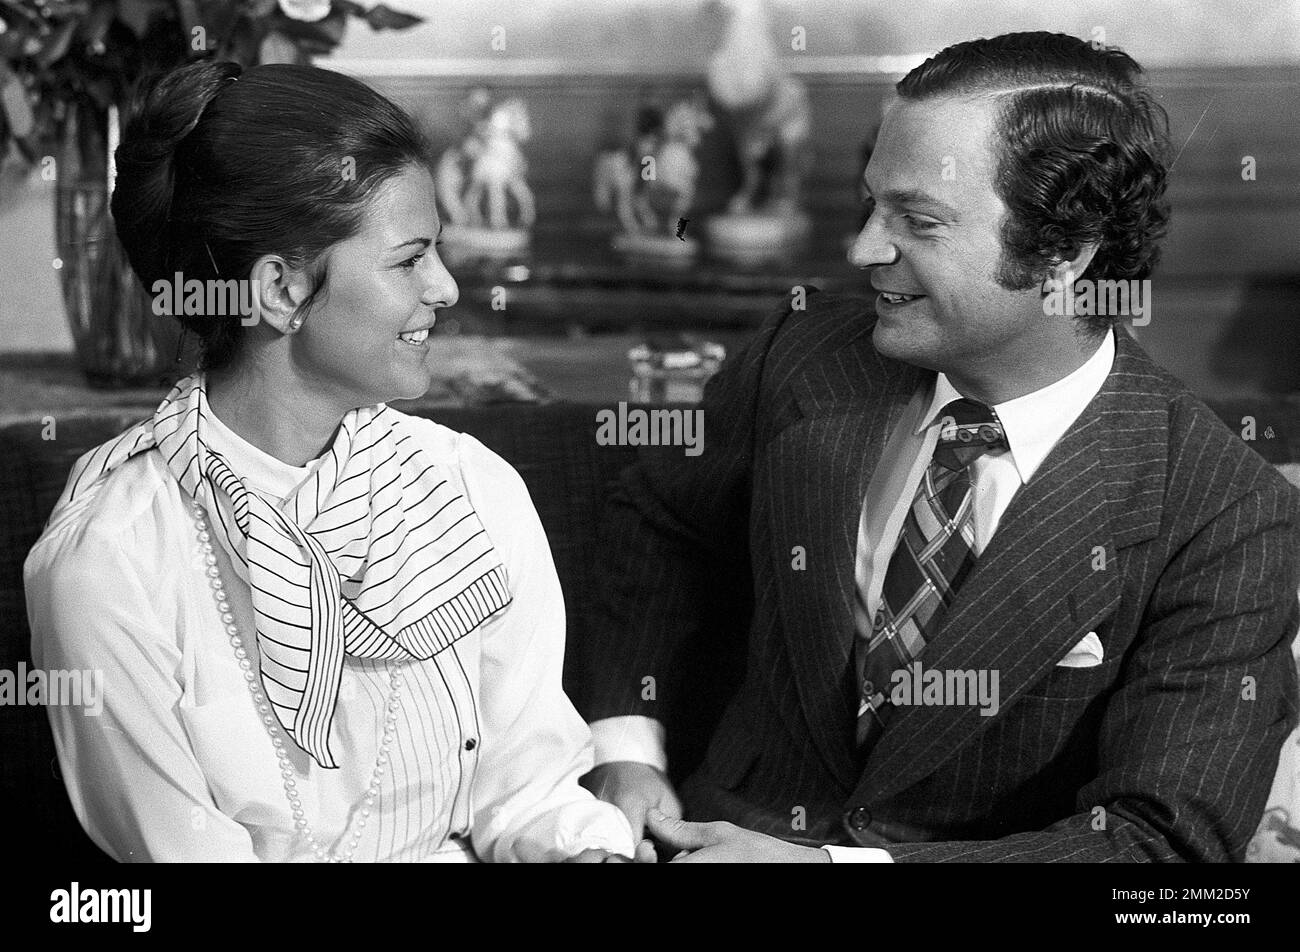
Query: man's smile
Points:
[892, 298]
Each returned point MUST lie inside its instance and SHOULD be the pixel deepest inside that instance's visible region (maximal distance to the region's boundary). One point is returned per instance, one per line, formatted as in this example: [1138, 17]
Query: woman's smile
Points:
[418, 338]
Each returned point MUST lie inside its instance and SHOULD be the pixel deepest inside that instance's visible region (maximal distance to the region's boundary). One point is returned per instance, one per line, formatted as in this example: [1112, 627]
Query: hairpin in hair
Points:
[215, 269]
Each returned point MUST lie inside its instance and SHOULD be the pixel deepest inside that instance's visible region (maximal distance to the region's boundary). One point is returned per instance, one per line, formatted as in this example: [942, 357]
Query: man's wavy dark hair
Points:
[1084, 151]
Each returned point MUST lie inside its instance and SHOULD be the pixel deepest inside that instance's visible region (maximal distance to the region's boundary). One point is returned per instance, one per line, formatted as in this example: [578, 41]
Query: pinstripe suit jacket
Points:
[1165, 751]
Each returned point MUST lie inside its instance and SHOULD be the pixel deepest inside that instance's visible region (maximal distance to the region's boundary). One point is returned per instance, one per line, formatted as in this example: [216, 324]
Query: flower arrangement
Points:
[62, 60]
[66, 69]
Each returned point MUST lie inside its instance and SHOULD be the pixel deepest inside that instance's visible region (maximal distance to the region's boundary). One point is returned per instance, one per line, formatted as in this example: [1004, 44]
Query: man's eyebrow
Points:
[913, 198]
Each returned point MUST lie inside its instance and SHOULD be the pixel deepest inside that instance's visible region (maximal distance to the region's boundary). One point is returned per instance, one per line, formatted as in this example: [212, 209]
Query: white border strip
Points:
[510, 68]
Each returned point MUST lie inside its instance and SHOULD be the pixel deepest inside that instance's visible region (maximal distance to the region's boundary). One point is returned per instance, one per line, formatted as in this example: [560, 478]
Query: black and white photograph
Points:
[650, 432]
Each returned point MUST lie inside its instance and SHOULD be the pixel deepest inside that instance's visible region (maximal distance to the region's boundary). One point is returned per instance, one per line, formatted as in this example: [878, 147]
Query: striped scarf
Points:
[376, 554]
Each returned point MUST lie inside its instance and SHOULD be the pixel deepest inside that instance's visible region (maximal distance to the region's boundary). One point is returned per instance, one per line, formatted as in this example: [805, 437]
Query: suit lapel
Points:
[819, 467]
[1048, 575]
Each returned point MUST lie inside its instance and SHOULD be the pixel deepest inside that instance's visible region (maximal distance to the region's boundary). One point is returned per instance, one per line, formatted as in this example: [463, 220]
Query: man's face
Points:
[934, 236]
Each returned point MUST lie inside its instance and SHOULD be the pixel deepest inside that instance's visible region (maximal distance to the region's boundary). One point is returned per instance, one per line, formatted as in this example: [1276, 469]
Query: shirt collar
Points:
[1035, 422]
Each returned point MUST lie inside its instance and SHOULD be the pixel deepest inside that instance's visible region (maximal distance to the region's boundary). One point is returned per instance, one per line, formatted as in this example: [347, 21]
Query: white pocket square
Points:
[1086, 654]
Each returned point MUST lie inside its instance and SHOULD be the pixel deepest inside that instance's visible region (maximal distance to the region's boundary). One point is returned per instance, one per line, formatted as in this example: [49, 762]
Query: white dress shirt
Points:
[1033, 424]
[179, 767]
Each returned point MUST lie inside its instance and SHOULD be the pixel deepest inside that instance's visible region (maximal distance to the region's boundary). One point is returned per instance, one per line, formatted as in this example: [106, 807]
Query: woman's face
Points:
[384, 285]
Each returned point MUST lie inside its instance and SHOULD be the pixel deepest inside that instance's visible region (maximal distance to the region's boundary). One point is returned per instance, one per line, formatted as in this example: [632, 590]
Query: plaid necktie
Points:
[933, 556]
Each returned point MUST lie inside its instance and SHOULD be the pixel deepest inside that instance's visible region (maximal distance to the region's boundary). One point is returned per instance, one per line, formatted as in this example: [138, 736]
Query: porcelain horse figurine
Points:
[769, 110]
[650, 185]
[769, 113]
[454, 163]
[498, 166]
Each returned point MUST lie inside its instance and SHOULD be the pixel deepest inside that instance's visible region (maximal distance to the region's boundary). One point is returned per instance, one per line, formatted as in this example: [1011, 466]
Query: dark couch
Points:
[552, 447]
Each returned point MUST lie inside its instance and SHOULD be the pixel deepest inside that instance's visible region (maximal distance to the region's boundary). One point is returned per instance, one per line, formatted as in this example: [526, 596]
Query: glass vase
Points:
[119, 341]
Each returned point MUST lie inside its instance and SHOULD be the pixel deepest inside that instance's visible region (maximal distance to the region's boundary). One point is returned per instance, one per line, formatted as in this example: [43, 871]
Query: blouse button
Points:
[471, 744]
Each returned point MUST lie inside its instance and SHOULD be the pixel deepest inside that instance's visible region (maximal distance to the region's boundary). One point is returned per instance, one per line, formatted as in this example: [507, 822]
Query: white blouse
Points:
[179, 767]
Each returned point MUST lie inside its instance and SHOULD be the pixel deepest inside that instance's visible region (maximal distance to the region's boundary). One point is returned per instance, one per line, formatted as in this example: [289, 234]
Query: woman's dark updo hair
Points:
[219, 166]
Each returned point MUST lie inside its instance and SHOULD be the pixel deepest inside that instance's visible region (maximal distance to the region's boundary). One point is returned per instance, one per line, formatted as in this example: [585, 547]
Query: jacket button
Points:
[471, 744]
[859, 818]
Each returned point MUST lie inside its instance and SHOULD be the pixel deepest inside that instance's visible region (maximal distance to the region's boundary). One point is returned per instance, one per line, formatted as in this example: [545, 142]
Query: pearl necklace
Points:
[278, 735]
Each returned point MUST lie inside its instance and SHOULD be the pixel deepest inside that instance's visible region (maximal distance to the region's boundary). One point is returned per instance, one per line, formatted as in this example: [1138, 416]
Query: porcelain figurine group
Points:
[648, 183]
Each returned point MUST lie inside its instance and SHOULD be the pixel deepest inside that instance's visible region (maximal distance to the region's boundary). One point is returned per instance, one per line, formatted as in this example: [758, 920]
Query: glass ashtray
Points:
[672, 372]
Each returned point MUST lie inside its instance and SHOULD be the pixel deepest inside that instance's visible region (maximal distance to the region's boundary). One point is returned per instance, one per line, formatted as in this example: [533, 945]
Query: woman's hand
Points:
[645, 853]
[634, 788]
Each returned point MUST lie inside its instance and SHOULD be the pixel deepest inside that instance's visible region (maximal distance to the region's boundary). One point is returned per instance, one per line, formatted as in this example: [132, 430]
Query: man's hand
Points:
[634, 788]
[726, 843]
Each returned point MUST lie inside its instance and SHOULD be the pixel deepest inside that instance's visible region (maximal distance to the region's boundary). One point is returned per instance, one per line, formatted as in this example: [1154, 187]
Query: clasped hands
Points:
[647, 798]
